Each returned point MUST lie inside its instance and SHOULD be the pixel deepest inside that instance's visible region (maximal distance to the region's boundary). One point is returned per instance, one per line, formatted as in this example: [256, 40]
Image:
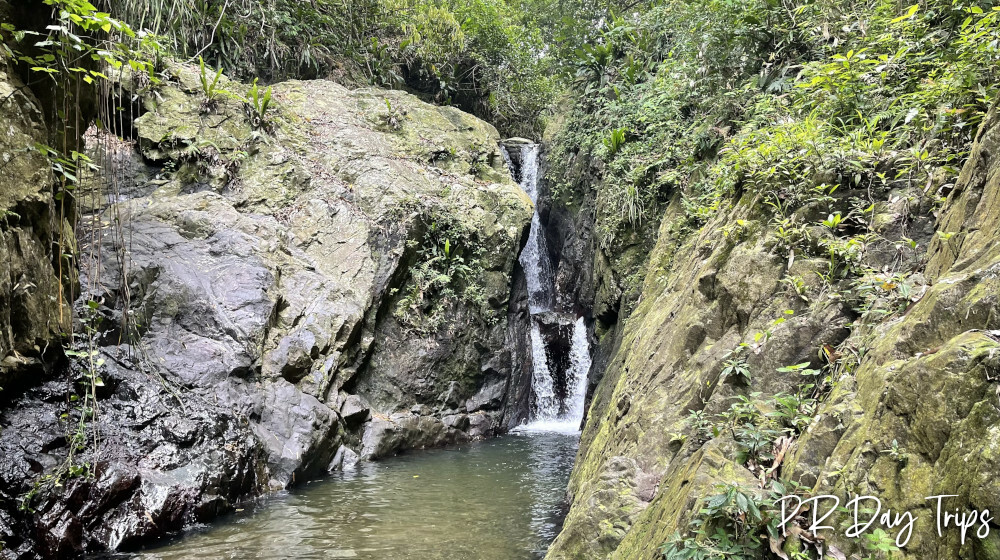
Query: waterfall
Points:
[546, 401]
[534, 258]
[579, 359]
[558, 385]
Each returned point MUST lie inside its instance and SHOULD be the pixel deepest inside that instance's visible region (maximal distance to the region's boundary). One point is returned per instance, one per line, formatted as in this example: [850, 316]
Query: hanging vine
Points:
[77, 66]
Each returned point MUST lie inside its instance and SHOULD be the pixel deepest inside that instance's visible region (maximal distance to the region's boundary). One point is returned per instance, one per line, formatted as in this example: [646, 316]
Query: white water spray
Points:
[549, 412]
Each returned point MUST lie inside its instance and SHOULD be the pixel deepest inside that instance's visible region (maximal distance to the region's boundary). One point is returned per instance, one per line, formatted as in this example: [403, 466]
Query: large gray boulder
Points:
[287, 300]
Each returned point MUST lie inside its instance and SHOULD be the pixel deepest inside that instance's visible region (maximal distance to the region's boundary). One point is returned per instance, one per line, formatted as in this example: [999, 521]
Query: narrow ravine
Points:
[506, 494]
[560, 349]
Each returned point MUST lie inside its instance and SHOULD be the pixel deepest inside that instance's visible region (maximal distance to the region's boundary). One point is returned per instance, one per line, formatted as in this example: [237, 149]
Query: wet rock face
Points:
[271, 320]
[163, 463]
[556, 330]
[926, 381]
[30, 314]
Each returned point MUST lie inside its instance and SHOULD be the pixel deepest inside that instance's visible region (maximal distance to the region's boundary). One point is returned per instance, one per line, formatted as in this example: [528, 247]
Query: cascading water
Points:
[546, 400]
[576, 378]
[534, 257]
[558, 393]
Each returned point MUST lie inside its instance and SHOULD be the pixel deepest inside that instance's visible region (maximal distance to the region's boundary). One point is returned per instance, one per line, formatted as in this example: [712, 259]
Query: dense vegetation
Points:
[805, 121]
[783, 100]
[811, 114]
[486, 56]
[787, 101]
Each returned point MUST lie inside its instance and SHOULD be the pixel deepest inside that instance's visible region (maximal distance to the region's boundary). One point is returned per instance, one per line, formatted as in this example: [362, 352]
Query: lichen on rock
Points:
[910, 418]
[258, 293]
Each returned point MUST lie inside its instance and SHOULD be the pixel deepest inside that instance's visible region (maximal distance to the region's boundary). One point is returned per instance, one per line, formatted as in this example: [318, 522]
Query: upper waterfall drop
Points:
[560, 349]
[535, 257]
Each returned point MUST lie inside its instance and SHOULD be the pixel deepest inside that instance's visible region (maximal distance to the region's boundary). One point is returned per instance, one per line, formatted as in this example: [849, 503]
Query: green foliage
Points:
[210, 84]
[880, 544]
[82, 413]
[77, 45]
[896, 452]
[257, 104]
[797, 285]
[448, 269]
[737, 523]
[698, 422]
[834, 221]
[67, 168]
[878, 295]
[393, 118]
[614, 141]
[485, 56]
[783, 103]
[736, 367]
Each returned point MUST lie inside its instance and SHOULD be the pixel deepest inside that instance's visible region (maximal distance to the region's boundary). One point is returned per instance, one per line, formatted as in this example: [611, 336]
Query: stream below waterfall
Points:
[500, 499]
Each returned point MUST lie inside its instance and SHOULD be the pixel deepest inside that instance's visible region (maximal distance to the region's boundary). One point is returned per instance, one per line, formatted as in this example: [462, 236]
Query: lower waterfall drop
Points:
[576, 378]
[558, 384]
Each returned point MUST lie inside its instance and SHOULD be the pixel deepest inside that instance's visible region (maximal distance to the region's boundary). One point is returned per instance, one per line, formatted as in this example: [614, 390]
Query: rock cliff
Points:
[270, 300]
[913, 400]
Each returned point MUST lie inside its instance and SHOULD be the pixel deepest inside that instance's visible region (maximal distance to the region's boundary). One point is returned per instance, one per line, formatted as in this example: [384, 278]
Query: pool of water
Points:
[500, 499]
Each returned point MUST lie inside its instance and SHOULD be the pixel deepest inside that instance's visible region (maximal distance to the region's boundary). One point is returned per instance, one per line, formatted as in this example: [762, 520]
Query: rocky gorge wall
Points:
[913, 404]
[269, 305]
[31, 224]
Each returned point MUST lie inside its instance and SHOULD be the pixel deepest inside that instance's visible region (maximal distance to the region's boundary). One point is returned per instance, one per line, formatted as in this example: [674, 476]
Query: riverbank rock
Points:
[34, 302]
[912, 410]
[272, 302]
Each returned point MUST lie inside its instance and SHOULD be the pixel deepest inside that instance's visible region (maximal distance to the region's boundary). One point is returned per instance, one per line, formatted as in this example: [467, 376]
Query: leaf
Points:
[909, 13]
[775, 545]
[716, 501]
[741, 502]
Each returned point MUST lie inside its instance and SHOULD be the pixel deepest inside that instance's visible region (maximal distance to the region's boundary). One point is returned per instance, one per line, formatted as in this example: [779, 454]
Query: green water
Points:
[494, 500]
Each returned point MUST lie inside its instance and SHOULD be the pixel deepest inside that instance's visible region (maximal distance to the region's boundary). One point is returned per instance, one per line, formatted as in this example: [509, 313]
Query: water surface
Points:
[495, 500]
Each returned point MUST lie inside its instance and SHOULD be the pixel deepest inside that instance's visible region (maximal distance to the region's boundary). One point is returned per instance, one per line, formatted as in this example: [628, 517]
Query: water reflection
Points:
[494, 500]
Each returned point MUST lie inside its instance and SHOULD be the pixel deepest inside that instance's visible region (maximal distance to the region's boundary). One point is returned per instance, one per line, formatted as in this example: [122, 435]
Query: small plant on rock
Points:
[896, 452]
[614, 141]
[700, 424]
[737, 367]
[393, 118]
[730, 525]
[834, 221]
[210, 87]
[797, 285]
[256, 105]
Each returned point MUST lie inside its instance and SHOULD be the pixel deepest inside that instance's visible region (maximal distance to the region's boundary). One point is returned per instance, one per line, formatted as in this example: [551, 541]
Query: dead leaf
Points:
[835, 553]
[776, 547]
[781, 446]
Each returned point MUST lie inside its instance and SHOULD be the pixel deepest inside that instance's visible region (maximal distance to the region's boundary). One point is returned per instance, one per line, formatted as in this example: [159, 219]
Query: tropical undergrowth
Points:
[447, 270]
[485, 56]
[744, 521]
[827, 130]
[782, 101]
